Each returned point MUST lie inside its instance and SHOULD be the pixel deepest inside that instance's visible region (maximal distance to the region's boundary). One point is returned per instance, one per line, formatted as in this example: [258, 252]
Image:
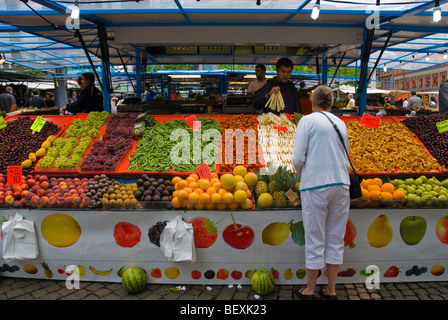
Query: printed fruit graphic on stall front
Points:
[297, 232]
[392, 272]
[156, 273]
[172, 272]
[301, 273]
[30, 268]
[437, 270]
[222, 274]
[288, 274]
[380, 232]
[350, 234]
[262, 282]
[442, 229]
[238, 236]
[98, 272]
[412, 229]
[60, 230]
[80, 270]
[235, 274]
[127, 234]
[275, 233]
[204, 231]
[133, 280]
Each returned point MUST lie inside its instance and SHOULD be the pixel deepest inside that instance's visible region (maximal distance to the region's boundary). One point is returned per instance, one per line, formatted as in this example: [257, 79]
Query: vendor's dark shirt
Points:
[90, 99]
[443, 97]
[35, 102]
[289, 93]
[6, 100]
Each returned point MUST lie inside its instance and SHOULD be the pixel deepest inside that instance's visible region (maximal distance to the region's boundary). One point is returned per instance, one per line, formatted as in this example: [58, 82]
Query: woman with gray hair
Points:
[321, 160]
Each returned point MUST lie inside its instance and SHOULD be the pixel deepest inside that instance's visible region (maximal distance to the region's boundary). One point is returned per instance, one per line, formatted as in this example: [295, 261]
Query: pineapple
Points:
[280, 184]
[261, 187]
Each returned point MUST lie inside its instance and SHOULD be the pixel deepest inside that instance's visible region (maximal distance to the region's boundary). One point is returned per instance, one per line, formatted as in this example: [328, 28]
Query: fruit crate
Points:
[391, 204]
[62, 121]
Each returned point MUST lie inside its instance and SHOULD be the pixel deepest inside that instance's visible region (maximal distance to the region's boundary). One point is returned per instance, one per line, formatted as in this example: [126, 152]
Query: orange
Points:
[204, 184]
[214, 180]
[386, 196]
[222, 191]
[198, 191]
[175, 202]
[388, 187]
[190, 180]
[246, 205]
[249, 194]
[375, 195]
[217, 185]
[215, 197]
[199, 206]
[193, 197]
[365, 194]
[195, 176]
[211, 190]
[182, 195]
[205, 197]
[175, 193]
[232, 206]
[377, 181]
[188, 205]
[187, 190]
[364, 183]
[373, 187]
[181, 184]
[399, 195]
[175, 180]
[221, 206]
[193, 185]
[210, 205]
[227, 197]
[213, 175]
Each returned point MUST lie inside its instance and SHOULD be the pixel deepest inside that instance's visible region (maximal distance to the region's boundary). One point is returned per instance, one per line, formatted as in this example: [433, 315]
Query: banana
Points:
[100, 272]
[121, 271]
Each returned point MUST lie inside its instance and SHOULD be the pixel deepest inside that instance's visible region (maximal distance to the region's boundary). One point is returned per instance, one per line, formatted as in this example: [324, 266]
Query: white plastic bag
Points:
[19, 239]
[177, 241]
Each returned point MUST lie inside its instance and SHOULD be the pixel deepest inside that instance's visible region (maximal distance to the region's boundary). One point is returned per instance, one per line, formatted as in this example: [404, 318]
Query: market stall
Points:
[100, 192]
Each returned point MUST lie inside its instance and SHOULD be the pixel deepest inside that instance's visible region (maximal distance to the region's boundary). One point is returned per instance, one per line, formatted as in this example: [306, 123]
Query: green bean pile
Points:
[154, 147]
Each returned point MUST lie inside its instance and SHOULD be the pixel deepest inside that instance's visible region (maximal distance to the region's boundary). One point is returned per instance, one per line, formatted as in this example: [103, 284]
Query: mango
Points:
[41, 152]
[26, 164]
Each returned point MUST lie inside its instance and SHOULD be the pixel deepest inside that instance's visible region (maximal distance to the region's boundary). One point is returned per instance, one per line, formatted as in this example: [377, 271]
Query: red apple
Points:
[17, 195]
[238, 236]
[442, 229]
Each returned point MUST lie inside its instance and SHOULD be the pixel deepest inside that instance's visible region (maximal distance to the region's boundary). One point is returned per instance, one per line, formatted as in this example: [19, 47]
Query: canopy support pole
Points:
[363, 80]
[105, 66]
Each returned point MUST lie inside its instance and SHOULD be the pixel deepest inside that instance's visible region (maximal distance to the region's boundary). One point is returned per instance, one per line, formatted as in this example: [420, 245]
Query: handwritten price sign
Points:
[441, 126]
[370, 121]
[193, 122]
[38, 124]
[14, 175]
[2, 123]
[203, 171]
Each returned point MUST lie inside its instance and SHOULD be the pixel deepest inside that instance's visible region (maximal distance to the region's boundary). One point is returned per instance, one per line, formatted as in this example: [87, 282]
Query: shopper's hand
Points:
[274, 90]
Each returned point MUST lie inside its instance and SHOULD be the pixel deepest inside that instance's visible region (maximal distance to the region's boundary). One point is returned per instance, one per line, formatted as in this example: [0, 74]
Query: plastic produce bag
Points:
[177, 241]
[19, 239]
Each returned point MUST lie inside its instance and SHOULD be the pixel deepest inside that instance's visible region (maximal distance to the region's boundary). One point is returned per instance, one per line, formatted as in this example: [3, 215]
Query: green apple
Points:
[412, 229]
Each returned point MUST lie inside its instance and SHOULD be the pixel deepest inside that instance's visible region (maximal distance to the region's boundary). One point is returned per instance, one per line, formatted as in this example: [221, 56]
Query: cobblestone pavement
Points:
[30, 289]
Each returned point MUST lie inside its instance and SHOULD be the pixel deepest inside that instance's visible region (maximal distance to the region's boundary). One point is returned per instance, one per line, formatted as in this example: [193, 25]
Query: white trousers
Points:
[325, 213]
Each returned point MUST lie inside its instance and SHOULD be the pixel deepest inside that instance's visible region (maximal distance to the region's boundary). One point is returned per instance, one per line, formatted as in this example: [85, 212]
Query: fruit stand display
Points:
[106, 217]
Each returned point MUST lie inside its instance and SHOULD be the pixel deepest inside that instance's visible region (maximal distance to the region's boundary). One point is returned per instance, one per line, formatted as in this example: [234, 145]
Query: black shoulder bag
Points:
[355, 178]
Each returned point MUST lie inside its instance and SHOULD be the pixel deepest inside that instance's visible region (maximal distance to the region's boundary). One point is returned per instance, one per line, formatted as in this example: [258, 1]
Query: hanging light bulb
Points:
[316, 10]
[75, 11]
[427, 57]
[436, 12]
[385, 68]
[445, 56]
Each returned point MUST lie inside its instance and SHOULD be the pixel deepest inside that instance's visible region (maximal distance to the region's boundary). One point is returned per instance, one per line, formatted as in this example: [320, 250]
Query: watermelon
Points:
[133, 280]
[262, 281]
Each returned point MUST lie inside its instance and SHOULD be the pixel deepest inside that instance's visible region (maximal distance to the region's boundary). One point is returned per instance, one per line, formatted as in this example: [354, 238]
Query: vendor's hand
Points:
[64, 108]
[274, 90]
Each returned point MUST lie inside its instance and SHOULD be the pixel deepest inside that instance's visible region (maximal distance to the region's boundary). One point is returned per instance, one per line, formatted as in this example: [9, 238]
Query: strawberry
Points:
[275, 273]
[393, 271]
[156, 273]
[222, 274]
[205, 232]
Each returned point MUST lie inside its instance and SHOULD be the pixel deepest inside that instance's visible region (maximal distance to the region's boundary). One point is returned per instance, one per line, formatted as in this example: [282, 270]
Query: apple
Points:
[238, 236]
[442, 229]
[412, 229]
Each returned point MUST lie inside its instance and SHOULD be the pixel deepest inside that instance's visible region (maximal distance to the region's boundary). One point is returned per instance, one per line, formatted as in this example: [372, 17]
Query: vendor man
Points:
[90, 99]
[260, 73]
[282, 84]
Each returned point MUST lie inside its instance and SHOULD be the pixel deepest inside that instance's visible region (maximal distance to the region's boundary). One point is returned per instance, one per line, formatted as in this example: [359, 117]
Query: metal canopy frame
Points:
[39, 34]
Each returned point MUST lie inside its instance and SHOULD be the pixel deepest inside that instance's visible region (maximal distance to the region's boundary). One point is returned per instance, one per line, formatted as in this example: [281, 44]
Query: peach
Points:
[40, 192]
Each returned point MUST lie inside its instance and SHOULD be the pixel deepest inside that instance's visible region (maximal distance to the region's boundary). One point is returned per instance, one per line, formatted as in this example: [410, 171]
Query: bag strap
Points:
[342, 141]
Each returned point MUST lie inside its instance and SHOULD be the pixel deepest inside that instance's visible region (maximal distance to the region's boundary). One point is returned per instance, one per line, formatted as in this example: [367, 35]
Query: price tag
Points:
[370, 121]
[281, 128]
[441, 126]
[2, 123]
[289, 116]
[38, 124]
[193, 122]
[14, 175]
[291, 195]
[203, 171]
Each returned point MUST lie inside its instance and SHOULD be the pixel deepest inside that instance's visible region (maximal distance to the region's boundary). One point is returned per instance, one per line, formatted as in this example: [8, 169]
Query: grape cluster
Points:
[88, 128]
[6, 267]
[155, 231]
[350, 272]
[65, 153]
[416, 271]
[209, 274]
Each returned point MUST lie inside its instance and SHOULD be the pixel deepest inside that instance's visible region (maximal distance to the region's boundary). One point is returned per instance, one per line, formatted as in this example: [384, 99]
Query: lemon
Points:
[240, 170]
[240, 196]
[51, 138]
[240, 185]
[172, 272]
[265, 200]
[227, 181]
[46, 144]
[275, 233]
[251, 179]
[238, 178]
